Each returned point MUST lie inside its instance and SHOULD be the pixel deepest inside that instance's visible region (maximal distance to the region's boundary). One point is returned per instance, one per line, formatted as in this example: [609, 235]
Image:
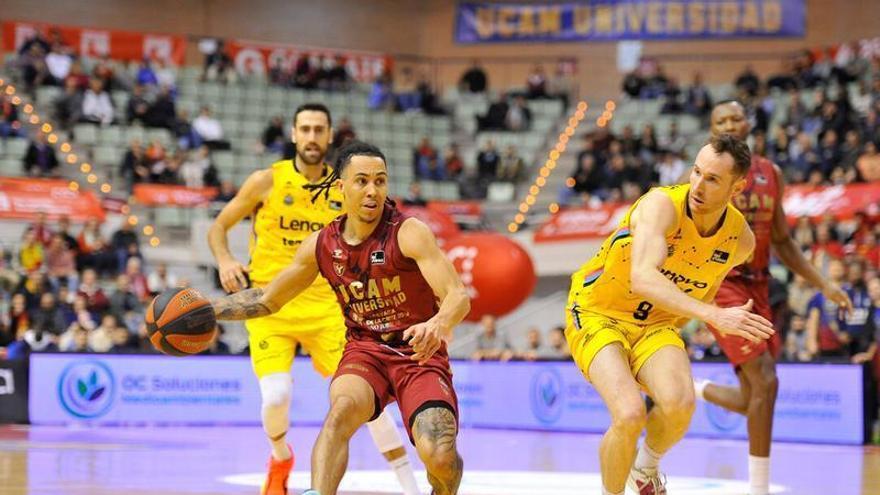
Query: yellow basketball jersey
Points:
[695, 264]
[284, 220]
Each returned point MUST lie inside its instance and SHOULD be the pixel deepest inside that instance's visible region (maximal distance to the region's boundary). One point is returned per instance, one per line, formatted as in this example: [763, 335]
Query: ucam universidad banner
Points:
[820, 403]
[612, 20]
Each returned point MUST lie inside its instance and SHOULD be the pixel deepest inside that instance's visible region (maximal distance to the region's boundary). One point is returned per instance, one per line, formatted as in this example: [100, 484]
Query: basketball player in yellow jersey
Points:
[284, 214]
[662, 265]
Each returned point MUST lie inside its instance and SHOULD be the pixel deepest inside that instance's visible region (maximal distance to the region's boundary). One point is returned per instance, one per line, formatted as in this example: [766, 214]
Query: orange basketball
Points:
[181, 322]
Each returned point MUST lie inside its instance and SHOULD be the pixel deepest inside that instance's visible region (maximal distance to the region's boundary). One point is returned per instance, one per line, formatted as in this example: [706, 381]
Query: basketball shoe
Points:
[645, 483]
[276, 479]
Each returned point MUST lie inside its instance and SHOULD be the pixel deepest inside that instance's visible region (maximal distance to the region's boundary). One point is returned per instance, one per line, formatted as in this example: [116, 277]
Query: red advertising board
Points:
[24, 198]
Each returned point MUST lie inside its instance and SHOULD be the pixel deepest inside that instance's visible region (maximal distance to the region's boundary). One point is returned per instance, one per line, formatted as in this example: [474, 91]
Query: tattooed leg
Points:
[242, 305]
[434, 431]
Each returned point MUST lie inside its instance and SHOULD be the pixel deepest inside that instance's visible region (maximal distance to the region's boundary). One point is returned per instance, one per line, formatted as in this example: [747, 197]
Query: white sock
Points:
[387, 438]
[275, 390]
[759, 475]
[647, 459]
[700, 388]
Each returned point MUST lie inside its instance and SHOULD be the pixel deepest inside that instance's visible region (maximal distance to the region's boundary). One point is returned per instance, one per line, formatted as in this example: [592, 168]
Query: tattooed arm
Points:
[254, 303]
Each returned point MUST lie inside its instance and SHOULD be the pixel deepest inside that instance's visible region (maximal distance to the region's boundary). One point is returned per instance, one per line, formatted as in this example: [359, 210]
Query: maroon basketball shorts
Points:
[738, 349]
[394, 376]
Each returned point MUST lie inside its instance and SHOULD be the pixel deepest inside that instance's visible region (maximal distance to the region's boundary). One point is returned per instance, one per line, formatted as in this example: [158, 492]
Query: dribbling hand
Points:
[425, 339]
[232, 276]
[740, 321]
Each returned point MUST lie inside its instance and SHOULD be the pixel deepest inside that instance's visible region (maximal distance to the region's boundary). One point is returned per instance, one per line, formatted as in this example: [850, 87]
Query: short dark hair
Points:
[313, 107]
[343, 159]
[739, 150]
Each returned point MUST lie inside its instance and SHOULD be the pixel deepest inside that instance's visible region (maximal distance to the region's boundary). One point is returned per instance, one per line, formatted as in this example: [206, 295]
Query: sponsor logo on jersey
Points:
[299, 225]
[335, 205]
[761, 180]
[720, 256]
[339, 268]
[337, 254]
[377, 258]
[679, 279]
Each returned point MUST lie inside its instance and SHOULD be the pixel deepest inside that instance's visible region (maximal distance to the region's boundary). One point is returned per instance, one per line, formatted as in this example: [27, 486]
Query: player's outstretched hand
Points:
[839, 296]
[740, 321]
[232, 276]
[425, 339]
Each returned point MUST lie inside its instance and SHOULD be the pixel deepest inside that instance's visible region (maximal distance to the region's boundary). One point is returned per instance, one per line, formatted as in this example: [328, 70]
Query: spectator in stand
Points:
[797, 341]
[303, 75]
[32, 64]
[868, 349]
[209, 130]
[698, 100]
[195, 168]
[33, 288]
[80, 314]
[381, 96]
[673, 142]
[474, 80]
[96, 301]
[495, 117]
[60, 263]
[19, 320]
[748, 82]
[511, 166]
[187, 138]
[452, 161]
[414, 195]
[854, 324]
[138, 106]
[536, 83]
[519, 116]
[559, 348]
[825, 335]
[428, 97]
[344, 133]
[64, 231]
[487, 162]
[218, 64]
[9, 123]
[535, 348]
[868, 163]
[337, 77]
[160, 280]
[137, 280]
[227, 191]
[107, 71]
[134, 168]
[670, 168]
[672, 98]
[490, 345]
[829, 153]
[146, 76]
[101, 338]
[122, 242]
[97, 107]
[41, 228]
[123, 341]
[40, 159]
[162, 112]
[274, 136]
[124, 303]
[48, 318]
[425, 160]
[30, 253]
[797, 111]
[165, 74]
[588, 177]
[804, 157]
[850, 150]
[799, 295]
[406, 91]
[76, 339]
[68, 106]
[632, 84]
[78, 75]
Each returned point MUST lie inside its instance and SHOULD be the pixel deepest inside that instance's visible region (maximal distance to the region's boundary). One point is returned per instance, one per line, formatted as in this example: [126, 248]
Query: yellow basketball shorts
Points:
[318, 328]
[588, 332]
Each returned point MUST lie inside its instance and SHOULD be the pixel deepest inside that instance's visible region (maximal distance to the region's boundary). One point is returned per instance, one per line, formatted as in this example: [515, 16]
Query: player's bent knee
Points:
[344, 416]
[275, 390]
[629, 418]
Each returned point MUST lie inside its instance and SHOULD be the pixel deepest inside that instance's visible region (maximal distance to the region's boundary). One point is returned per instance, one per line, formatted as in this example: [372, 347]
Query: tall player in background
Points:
[755, 362]
[284, 215]
[401, 298]
[665, 261]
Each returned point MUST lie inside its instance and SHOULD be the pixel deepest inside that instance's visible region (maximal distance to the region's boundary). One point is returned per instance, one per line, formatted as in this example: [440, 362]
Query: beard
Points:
[303, 156]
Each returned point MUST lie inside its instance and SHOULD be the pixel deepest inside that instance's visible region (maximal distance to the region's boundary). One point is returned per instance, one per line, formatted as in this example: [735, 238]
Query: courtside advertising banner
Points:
[613, 20]
[25, 198]
[13, 391]
[817, 403]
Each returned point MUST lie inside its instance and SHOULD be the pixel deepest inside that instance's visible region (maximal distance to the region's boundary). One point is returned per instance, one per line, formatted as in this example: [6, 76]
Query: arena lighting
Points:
[71, 159]
[47, 128]
[85, 168]
[65, 147]
[106, 188]
[553, 207]
[512, 227]
[154, 241]
[554, 154]
[28, 108]
[148, 230]
[35, 119]
[133, 220]
[52, 139]
[92, 178]
[73, 186]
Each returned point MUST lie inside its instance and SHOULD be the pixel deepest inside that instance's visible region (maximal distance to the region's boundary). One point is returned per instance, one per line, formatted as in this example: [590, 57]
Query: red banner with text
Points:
[166, 195]
[800, 200]
[93, 42]
[256, 57]
[24, 199]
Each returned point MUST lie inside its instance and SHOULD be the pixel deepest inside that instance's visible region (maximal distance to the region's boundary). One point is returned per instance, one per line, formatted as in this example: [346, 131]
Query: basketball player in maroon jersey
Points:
[755, 363]
[401, 298]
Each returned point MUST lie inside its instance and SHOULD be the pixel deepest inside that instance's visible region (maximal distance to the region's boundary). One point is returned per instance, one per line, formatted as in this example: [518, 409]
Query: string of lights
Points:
[72, 158]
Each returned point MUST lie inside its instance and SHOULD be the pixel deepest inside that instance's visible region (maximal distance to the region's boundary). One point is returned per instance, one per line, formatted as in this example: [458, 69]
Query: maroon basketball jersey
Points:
[380, 290]
[757, 202]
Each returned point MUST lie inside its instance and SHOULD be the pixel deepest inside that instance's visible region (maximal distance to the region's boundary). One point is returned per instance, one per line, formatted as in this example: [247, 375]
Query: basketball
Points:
[180, 322]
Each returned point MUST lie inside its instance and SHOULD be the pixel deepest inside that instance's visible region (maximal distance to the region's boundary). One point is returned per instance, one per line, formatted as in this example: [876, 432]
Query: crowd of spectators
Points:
[63, 291]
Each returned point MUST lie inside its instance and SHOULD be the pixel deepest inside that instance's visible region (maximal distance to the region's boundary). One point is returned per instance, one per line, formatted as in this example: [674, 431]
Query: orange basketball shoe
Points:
[276, 479]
